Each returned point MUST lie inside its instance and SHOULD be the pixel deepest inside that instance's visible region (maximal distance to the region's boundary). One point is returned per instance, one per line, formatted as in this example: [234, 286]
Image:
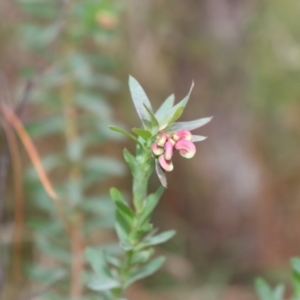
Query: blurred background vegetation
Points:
[64, 68]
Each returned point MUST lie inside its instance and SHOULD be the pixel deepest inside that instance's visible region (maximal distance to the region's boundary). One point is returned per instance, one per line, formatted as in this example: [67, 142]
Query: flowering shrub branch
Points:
[158, 140]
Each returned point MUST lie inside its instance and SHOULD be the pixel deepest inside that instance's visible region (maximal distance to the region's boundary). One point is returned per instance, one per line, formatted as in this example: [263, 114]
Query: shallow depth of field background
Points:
[236, 204]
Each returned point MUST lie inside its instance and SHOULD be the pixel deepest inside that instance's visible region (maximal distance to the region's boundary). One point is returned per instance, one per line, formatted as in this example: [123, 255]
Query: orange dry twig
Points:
[11, 117]
[19, 199]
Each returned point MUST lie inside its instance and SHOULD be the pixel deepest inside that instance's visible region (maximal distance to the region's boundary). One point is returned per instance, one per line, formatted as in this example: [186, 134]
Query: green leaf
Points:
[159, 238]
[175, 111]
[146, 270]
[176, 116]
[123, 226]
[93, 104]
[140, 98]
[53, 125]
[103, 284]
[142, 257]
[295, 262]
[116, 195]
[165, 107]
[132, 162]
[125, 210]
[40, 8]
[96, 260]
[161, 174]
[43, 274]
[279, 292]
[38, 37]
[103, 164]
[190, 125]
[154, 122]
[101, 205]
[92, 225]
[198, 138]
[145, 134]
[50, 248]
[122, 206]
[263, 290]
[150, 204]
[114, 128]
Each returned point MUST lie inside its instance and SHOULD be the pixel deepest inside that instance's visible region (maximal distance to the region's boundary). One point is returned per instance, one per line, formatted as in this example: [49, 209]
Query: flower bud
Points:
[167, 165]
[157, 150]
[186, 148]
[168, 150]
[162, 140]
[175, 137]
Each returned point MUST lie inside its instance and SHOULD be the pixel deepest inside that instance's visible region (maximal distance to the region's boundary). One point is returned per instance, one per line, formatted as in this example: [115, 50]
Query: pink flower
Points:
[168, 150]
[167, 165]
[184, 134]
[163, 148]
[186, 148]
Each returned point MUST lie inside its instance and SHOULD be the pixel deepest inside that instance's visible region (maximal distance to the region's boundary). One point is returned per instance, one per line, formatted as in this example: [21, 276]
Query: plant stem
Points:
[74, 188]
[77, 243]
[140, 185]
[141, 176]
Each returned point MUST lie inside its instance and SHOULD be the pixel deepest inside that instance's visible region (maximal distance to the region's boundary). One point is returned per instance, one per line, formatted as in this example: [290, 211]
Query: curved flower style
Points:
[186, 148]
[161, 133]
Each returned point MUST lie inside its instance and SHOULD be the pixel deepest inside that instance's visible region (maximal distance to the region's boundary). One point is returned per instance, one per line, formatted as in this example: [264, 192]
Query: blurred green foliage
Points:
[73, 71]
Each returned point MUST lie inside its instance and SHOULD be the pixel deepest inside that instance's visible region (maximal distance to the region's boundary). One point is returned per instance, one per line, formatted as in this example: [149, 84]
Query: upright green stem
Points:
[141, 176]
[140, 185]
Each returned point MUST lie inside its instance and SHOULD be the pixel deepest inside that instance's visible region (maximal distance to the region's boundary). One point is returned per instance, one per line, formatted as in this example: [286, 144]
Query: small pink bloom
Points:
[186, 148]
[157, 150]
[168, 150]
[162, 139]
[184, 134]
[167, 165]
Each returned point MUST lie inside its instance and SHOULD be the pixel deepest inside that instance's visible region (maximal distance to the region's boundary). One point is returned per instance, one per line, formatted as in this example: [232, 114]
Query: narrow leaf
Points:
[130, 159]
[147, 270]
[176, 116]
[165, 107]
[295, 262]
[263, 290]
[159, 239]
[125, 210]
[190, 125]
[198, 138]
[117, 129]
[143, 256]
[145, 134]
[140, 98]
[116, 195]
[97, 262]
[154, 122]
[150, 203]
[123, 226]
[167, 118]
[279, 292]
[161, 174]
[103, 284]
